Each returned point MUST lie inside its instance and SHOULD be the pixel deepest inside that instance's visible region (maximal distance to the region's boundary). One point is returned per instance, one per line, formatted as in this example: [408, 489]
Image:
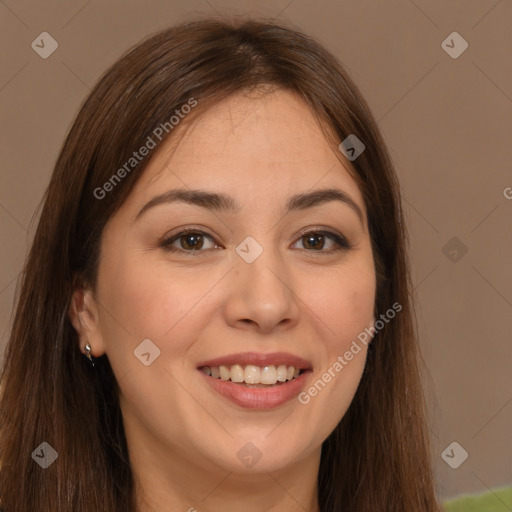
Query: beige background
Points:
[448, 124]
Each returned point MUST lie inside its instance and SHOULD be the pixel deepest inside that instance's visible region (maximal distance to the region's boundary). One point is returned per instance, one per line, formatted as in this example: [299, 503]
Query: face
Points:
[194, 297]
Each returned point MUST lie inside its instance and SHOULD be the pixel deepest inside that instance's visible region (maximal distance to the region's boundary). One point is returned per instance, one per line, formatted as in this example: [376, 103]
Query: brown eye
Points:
[315, 241]
[187, 241]
[192, 241]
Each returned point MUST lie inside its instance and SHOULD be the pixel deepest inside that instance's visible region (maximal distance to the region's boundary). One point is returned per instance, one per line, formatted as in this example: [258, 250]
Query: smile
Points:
[252, 375]
[256, 381]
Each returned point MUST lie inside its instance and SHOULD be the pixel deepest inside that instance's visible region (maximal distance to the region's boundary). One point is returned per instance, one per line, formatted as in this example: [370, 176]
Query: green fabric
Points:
[497, 500]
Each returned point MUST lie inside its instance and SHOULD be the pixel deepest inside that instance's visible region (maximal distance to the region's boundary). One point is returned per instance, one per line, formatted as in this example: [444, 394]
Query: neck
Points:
[167, 481]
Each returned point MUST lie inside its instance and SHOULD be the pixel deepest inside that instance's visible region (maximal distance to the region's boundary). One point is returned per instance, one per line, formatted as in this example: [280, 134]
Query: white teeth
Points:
[252, 374]
[225, 374]
[282, 373]
[268, 375]
[237, 373]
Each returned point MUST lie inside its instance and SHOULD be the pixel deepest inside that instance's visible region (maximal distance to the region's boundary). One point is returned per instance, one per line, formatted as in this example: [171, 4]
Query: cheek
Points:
[351, 313]
[345, 310]
[354, 311]
[345, 305]
[171, 310]
[142, 300]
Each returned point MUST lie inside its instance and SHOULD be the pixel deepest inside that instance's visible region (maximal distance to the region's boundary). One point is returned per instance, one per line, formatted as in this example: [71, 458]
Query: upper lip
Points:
[257, 359]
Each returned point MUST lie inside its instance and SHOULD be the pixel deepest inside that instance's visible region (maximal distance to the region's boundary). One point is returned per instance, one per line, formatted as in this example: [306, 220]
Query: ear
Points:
[83, 314]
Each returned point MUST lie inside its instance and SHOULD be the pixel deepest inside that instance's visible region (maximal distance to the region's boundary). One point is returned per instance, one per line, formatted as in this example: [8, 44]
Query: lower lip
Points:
[258, 398]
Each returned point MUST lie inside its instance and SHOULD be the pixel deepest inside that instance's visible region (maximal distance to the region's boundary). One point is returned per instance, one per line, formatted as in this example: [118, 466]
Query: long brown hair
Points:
[377, 458]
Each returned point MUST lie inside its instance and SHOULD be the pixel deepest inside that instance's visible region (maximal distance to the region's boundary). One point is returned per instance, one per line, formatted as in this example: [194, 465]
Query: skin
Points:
[296, 297]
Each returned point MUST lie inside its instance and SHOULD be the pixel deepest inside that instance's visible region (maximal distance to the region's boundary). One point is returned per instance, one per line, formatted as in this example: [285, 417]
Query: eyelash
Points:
[340, 241]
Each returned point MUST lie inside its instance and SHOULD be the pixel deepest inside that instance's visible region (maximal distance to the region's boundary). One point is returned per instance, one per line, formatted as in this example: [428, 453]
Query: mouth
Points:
[257, 381]
[252, 375]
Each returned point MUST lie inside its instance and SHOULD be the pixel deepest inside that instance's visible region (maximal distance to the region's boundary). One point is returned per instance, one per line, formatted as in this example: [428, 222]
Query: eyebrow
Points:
[223, 203]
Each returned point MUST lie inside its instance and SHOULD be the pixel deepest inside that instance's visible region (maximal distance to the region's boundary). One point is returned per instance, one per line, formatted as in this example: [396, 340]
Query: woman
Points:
[215, 312]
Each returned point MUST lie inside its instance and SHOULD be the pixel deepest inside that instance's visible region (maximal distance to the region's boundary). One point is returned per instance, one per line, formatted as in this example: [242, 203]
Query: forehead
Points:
[246, 141]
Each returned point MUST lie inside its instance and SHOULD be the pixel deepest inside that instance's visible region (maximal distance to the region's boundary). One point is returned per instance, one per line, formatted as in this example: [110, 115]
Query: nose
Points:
[262, 295]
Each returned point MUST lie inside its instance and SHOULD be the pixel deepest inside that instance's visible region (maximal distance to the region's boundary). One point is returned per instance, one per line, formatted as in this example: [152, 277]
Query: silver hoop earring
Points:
[88, 354]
